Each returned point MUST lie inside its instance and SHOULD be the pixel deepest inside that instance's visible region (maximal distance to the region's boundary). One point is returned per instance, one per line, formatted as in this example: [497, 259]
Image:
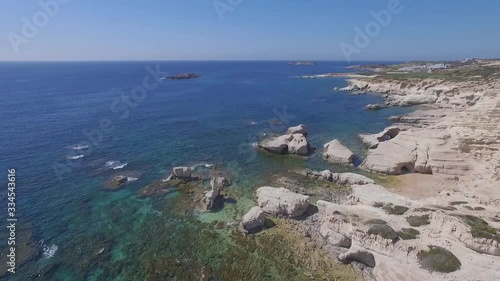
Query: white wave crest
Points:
[74, 157]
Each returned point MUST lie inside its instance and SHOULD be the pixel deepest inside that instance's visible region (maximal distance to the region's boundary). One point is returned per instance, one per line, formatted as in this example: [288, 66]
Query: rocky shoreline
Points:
[450, 231]
[453, 231]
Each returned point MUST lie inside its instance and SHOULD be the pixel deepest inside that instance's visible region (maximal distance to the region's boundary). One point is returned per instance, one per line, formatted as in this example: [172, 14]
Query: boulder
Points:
[350, 179]
[299, 129]
[253, 220]
[218, 182]
[372, 140]
[375, 106]
[281, 201]
[338, 178]
[212, 196]
[119, 180]
[335, 152]
[182, 172]
[298, 145]
[290, 143]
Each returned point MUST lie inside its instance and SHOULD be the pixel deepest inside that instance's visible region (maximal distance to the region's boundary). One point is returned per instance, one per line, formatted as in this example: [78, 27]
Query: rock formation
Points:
[335, 152]
[294, 142]
[338, 178]
[253, 220]
[299, 129]
[211, 197]
[182, 172]
[281, 201]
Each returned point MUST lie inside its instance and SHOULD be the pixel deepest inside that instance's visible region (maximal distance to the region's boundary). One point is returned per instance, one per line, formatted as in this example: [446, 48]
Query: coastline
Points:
[451, 148]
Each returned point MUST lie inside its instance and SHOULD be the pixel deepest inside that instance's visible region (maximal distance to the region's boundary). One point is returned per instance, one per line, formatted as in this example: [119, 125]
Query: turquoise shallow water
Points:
[48, 108]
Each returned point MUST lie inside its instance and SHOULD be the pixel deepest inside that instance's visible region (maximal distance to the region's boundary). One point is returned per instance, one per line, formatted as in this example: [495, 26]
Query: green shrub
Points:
[468, 208]
[376, 221]
[408, 233]
[395, 210]
[479, 209]
[453, 203]
[417, 221]
[438, 259]
[446, 208]
[480, 228]
[378, 204]
[383, 230]
[424, 210]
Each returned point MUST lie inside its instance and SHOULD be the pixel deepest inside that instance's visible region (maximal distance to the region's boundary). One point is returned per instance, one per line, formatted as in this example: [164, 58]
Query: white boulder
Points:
[335, 152]
[299, 129]
[253, 219]
[182, 172]
[281, 201]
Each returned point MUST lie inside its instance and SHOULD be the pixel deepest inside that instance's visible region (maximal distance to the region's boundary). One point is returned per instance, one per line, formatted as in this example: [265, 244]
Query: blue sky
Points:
[249, 30]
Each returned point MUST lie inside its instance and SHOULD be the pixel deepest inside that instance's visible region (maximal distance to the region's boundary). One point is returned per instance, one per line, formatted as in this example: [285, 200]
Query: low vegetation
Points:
[383, 230]
[376, 221]
[446, 208]
[417, 221]
[395, 210]
[408, 233]
[424, 209]
[438, 259]
[481, 229]
[453, 203]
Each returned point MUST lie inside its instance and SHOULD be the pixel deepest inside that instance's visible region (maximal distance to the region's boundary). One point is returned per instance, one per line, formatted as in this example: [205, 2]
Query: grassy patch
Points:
[383, 230]
[479, 209]
[446, 208]
[453, 203]
[395, 210]
[378, 204]
[424, 210]
[408, 233]
[417, 221]
[438, 259]
[376, 221]
[469, 208]
[481, 229]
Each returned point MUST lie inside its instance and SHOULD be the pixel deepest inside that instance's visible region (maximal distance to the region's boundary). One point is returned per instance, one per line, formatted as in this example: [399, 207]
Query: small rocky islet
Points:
[182, 76]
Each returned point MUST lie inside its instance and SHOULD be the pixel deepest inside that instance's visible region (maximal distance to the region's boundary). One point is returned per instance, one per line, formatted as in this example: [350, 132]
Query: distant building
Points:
[423, 68]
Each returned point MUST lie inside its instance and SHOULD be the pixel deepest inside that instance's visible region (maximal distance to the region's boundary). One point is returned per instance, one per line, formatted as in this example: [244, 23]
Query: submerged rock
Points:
[182, 172]
[119, 180]
[253, 220]
[335, 152]
[299, 129]
[281, 201]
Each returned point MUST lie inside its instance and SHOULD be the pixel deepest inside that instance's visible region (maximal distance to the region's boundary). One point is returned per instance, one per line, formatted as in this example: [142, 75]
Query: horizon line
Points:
[239, 60]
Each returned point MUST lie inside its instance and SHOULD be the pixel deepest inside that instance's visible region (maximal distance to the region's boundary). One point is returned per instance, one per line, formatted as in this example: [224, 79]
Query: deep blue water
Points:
[47, 108]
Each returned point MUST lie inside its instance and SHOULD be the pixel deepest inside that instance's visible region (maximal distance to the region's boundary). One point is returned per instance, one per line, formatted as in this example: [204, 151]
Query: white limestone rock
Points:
[281, 201]
[253, 220]
[182, 172]
[335, 152]
[299, 129]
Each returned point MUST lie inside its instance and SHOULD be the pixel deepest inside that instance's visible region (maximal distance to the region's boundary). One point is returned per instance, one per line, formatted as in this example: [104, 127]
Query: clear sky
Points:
[248, 30]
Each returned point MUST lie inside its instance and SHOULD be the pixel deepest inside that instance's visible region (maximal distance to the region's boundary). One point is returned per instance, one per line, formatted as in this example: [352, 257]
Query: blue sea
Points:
[68, 127]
